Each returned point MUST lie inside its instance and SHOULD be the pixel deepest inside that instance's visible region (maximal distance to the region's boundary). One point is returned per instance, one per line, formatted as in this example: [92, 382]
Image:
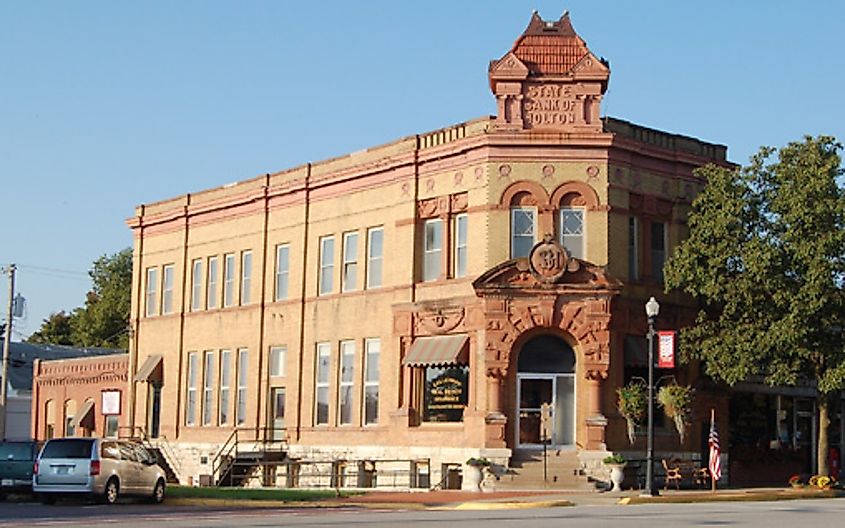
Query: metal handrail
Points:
[224, 455]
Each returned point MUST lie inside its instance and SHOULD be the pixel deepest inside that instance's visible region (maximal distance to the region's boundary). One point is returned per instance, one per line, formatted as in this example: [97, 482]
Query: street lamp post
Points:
[652, 308]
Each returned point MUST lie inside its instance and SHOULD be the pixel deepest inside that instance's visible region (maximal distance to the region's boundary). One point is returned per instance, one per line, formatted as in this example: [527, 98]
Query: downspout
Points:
[183, 306]
[263, 396]
[135, 325]
[302, 292]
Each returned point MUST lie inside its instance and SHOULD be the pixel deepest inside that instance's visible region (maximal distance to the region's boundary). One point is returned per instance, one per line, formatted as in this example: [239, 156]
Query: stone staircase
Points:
[563, 472]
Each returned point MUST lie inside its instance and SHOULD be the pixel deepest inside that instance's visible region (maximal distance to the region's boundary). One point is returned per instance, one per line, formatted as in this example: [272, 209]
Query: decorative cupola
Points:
[549, 81]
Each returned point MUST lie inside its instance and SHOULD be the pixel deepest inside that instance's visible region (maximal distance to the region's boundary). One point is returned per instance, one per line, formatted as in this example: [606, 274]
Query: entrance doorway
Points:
[545, 394]
[277, 413]
[154, 410]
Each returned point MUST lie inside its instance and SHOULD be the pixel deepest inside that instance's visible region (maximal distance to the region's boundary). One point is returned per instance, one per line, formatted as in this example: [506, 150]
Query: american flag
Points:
[715, 464]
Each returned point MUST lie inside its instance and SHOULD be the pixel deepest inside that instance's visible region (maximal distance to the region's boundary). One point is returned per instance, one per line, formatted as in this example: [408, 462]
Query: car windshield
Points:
[15, 451]
[67, 448]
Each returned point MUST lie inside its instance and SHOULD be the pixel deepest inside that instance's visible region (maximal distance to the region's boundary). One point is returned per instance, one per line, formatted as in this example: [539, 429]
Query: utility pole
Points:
[7, 343]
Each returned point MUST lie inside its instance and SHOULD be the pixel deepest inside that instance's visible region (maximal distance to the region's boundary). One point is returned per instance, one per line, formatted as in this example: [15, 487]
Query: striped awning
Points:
[85, 416]
[145, 373]
[438, 350]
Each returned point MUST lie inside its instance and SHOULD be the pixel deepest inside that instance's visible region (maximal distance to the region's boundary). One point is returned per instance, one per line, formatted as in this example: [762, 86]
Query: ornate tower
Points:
[549, 81]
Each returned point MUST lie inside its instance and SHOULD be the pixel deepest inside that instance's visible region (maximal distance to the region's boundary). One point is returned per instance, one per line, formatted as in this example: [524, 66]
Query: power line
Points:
[54, 272]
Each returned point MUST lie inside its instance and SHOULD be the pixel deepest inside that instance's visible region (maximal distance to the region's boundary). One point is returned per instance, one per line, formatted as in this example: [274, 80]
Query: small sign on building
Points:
[666, 349]
[111, 402]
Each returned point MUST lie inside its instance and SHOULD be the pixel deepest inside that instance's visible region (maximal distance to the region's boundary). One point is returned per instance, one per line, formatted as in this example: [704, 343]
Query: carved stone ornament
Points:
[548, 260]
[439, 321]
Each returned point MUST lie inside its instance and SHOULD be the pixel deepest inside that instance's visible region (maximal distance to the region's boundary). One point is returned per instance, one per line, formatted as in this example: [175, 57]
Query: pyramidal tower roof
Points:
[548, 47]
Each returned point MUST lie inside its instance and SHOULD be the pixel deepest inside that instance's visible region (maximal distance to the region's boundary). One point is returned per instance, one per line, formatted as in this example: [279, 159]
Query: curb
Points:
[732, 497]
[524, 505]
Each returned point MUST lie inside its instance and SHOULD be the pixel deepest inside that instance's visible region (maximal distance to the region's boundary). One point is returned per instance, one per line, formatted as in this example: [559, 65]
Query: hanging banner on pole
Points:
[666, 349]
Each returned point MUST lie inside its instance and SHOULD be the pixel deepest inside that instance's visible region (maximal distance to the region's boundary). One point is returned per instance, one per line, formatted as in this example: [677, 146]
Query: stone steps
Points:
[563, 472]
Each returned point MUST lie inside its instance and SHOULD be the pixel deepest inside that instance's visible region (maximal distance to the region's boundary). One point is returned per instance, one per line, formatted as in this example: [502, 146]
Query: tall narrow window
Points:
[196, 285]
[208, 388]
[375, 250]
[191, 399]
[167, 290]
[213, 277]
[460, 245]
[326, 265]
[246, 277]
[347, 379]
[658, 249]
[633, 248]
[433, 249]
[225, 385]
[282, 271]
[152, 291]
[371, 359]
[277, 361]
[243, 373]
[321, 384]
[349, 281]
[572, 230]
[228, 280]
[523, 228]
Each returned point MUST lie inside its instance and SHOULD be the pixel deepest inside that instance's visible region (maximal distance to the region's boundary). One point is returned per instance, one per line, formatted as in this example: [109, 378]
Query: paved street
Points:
[824, 512]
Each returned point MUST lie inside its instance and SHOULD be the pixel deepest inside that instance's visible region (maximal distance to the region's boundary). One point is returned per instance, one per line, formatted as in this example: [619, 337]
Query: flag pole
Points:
[712, 476]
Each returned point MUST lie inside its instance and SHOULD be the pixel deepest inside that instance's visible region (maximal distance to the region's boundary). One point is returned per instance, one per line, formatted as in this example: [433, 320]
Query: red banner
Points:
[666, 349]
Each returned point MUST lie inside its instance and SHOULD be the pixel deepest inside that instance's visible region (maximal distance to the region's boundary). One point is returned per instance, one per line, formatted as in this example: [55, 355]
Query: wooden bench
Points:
[677, 470]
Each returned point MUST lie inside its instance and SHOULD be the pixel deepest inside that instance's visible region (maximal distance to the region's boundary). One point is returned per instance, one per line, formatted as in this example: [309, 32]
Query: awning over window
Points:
[85, 416]
[438, 350]
[149, 370]
[636, 351]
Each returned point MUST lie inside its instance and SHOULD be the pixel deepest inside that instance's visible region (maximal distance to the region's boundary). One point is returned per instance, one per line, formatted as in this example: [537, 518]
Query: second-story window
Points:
[152, 292]
[349, 280]
[432, 249]
[211, 295]
[460, 266]
[167, 290]
[658, 249]
[375, 252]
[196, 285]
[523, 230]
[282, 271]
[278, 356]
[228, 280]
[246, 277]
[571, 230]
[326, 265]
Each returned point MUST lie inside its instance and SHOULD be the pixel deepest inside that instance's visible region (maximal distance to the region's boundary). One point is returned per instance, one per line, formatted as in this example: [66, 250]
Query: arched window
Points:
[70, 414]
[523, 211]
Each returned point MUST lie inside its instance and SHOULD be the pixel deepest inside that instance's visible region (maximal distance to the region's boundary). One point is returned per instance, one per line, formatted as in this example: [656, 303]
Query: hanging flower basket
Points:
[676, 401]
[632, 404]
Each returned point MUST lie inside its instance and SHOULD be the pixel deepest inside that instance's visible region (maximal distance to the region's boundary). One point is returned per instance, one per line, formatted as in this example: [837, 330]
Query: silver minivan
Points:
[101, 467]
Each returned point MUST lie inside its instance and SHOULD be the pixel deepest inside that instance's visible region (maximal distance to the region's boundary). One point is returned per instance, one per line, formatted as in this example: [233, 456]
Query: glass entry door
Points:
[548, 398]
[277, 410]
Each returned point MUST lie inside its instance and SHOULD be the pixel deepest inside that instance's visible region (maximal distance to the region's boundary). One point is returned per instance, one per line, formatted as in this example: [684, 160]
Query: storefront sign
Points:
[666, 349]
[447, 393]
[111, 402]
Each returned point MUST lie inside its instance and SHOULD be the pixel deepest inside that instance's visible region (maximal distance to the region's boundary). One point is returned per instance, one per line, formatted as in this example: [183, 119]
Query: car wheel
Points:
[158, 492]
[111, 491]
[47, 498]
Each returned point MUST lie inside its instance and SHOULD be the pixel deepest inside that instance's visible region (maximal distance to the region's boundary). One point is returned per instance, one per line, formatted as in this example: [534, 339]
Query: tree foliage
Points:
[765, 259]
[103, 320]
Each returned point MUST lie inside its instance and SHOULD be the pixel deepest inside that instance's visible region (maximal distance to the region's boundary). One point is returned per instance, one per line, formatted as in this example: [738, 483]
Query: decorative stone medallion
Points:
[548, 260]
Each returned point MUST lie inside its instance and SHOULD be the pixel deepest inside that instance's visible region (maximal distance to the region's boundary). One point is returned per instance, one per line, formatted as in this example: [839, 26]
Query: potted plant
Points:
[632, 404]
[616, 463]
[676, 401]
[473, 474]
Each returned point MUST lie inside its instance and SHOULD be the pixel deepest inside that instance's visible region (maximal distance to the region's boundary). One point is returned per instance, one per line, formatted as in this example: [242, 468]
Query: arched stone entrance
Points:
[545, 393]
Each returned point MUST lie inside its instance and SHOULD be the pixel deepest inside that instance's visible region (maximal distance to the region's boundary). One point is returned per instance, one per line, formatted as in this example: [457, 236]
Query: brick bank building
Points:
[404, 308]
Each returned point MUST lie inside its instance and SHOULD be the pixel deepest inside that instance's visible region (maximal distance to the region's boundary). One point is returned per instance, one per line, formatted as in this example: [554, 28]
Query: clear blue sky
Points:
[106, 105]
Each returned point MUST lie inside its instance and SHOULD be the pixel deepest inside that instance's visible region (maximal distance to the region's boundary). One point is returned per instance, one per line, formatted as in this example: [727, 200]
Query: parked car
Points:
[103, 468]
[16, 467]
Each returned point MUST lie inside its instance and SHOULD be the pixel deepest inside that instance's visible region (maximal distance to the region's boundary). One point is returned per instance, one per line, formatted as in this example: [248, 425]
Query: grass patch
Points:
[260, 494]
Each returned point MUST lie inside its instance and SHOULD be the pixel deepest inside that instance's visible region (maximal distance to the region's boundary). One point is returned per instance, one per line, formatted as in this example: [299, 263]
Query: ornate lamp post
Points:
[652, 308]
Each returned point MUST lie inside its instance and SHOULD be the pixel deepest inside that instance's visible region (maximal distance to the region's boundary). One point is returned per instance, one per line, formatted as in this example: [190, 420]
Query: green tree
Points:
[103, 320]
[765, 259]
[55, 330]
